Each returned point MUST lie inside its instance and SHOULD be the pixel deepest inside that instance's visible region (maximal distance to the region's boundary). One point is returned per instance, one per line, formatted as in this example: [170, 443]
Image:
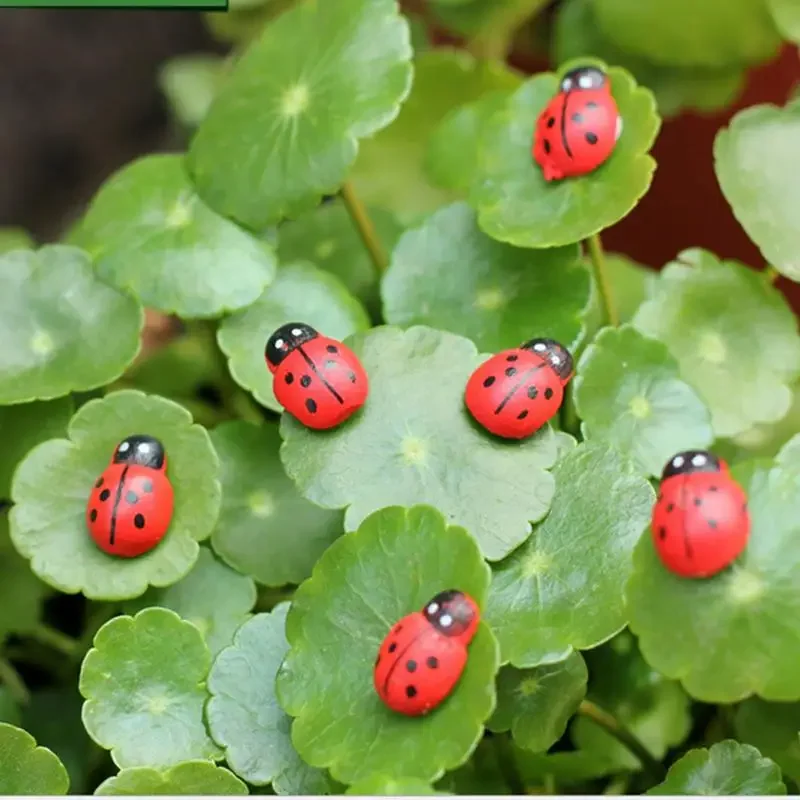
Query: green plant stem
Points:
[56, 639]
[771, 274]
[600, 270]
[14, 683]
[613, 726]
[364, 226]
[97, 618]
[508, 764]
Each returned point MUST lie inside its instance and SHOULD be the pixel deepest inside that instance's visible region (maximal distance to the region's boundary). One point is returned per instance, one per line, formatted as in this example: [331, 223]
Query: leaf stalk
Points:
[600, 271]
[365, 227]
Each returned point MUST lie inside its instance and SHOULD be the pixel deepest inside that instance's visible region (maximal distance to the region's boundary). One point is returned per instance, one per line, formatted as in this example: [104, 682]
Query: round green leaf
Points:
[402, 787]
[328, 238]
[62, 329]
[26, 769]
[266, 528]
[321, 77]
[189, 83]
[653, 709]
[628, 392]
[301, 293]
[536, 704]
[450, 275]
[244, 716]
[688, 629]
[15, 239]
[390, 170]
[149, 233]
[144, 685]
[24, 426]
[727, 768]
[786, 16]
[213, 597]
[562, 590]
[756, 161]
[676, 88]
[414, 442]
[188, 777]
[697, 307]
[52, 485]
[716, 33]
[392, 565]
[773, 729]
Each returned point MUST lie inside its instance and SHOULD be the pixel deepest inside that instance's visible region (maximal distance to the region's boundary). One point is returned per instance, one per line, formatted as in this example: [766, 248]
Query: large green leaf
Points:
[321, 77]
[381, 785]
[26, 769]
[144, 685]
[62, 329]
[563, 589]
[774, 728]
[517, 205]
[414, 442]
[150, 234]
[53, 483]
[189, 82]
[450, 275]
[628, 392]
[266, 528]
[689, 629]
[188, 777]
[786, 16]
[727, 768]
[366, 581]
[244, 716]
[719, 318]
[757, 165]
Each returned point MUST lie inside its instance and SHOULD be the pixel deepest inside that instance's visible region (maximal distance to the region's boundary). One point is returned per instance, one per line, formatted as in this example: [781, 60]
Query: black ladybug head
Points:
[142, 450]
[284, 340]
[556, 354]
[583, 78]
[691, 461]
[451, 613]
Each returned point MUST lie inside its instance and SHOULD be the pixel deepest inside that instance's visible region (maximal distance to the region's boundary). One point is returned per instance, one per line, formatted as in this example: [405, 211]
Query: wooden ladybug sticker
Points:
[515, 392]
[422, 658]
[700, 522]
[130, 507]
[319, 381]
[579, 127]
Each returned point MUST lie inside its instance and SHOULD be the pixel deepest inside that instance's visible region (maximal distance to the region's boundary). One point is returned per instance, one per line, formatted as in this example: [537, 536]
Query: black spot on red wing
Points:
[289, 378]
[131, 497]
[147, 487]
[533, 392]
[591, 104]
[670, 507]
[511, 371]
[662, 532]
[551, 122]
[138, 521]
[332, 348]
[698, 501]
[397, 628]
[330, 364]
[305, 381]
[104, 495]
[99, 483]
[411, 665]
[712, 523]
[713, 488]
[489, 381]
[546, 146]
[352, 376]
[591, 137]
[311, 405]
[411, 691]
[522, 414]
[512, 357]
[548, 393]
[392, 647]
[576, 117]
[432, 662]
[93, 514]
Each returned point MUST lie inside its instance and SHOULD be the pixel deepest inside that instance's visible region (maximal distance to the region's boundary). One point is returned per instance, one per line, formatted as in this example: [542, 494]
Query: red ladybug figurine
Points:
[317, 380]
[517, 391]
[130, 507]
[579, 127]
[422, 658]
[700, 521]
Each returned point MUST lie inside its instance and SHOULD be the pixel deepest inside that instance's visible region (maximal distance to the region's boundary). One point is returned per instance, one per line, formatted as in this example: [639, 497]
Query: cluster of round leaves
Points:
[548, 535]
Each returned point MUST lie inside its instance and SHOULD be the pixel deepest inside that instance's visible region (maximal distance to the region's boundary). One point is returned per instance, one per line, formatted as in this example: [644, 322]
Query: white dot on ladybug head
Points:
[677, 461]
[433, 608]
[296, 331]
[123, 447]
[279, 343]
[144, 447]
[699, 460]
[446, 621]
[539, 347]
[556, 360]
[585, 81]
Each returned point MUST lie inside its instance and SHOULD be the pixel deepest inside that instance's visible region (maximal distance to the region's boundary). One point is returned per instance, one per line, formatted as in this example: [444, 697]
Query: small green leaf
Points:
[26, 768]
[365, 582]
[300, 293]
[653, 709]
[727, 768]
[696, 308]
[189, 83]
[149, 233]
[321, 77]
[628, 392]
[414, 442]
[403, 787]
[536, 704]
[676, 88]
[15, 239]
[243, 713]
[448, 274]
[24, 426]
[390, 170]
[266, 529]
[62, 329]
[563, 589]
[146, 674]
[756, 162]
[516, 205]
[188, 777]
[786, 16]
[722, 33]
[566, 768]
[213, 597]
[53, 483]
[688, 629]
[773, 729]
[328, 238]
